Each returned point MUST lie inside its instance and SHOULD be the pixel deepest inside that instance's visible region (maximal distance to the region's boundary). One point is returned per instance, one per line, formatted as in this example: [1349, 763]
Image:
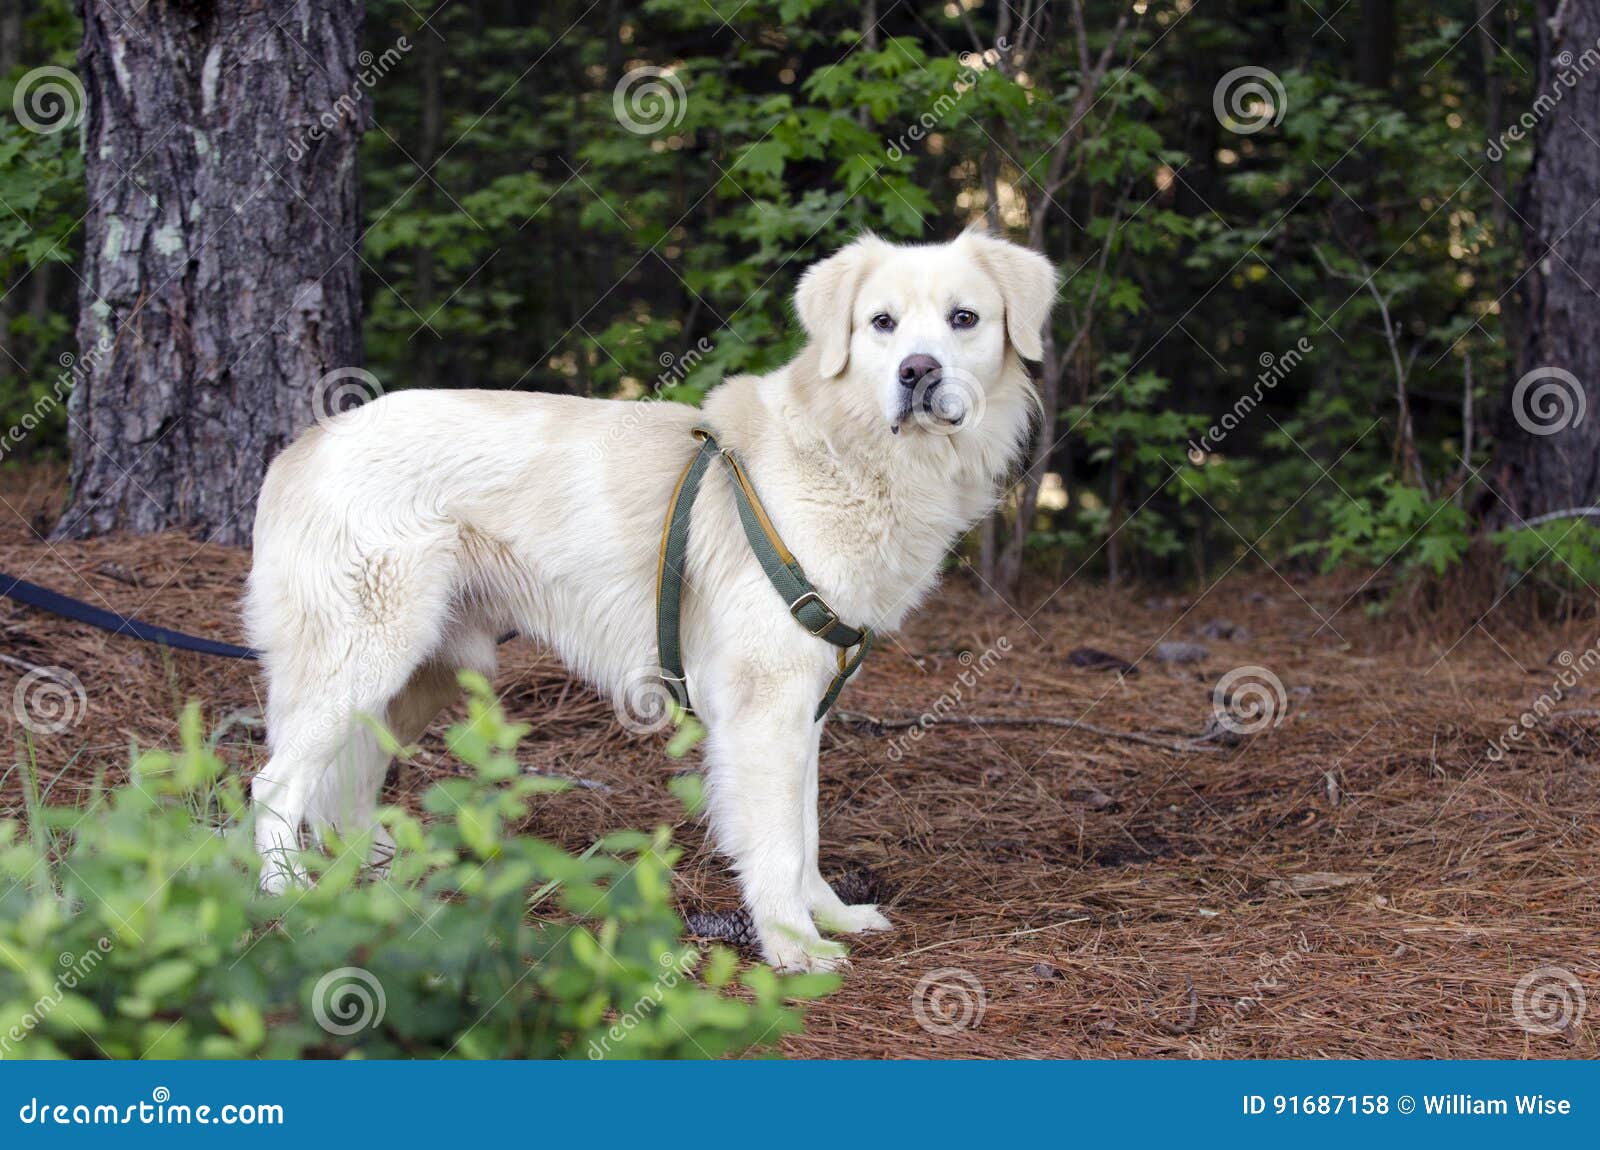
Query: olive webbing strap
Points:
[782, 569]
[670, 568]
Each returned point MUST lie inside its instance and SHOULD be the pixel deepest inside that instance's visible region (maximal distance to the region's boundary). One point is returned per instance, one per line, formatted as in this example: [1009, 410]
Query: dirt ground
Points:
[1365, 876]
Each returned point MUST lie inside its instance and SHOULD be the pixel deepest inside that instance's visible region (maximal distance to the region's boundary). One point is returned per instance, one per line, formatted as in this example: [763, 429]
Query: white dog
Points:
[394, 543]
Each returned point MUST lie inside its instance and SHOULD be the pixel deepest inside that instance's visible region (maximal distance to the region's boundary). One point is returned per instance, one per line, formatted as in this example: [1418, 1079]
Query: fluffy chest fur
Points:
[870, 514]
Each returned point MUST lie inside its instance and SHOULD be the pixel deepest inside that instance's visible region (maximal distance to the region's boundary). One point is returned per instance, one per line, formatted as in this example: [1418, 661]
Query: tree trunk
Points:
[1375, 46]
[10, 57]
[425, 359]
[1008, 576]
[220, 265]
[1549, 432]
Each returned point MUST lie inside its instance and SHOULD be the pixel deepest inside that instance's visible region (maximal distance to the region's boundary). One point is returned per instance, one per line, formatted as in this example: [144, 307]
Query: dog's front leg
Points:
[757, 756]
[831, 912]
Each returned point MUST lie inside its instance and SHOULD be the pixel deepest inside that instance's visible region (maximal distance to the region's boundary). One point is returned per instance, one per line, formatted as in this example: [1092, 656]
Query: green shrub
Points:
[1390, 522]
[1563, 555]
[131, 928]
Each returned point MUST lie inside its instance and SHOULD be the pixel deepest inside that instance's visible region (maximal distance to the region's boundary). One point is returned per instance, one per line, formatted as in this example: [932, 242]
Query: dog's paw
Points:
[278, 875]
[791, 951]
[276, 880]
[862, 918]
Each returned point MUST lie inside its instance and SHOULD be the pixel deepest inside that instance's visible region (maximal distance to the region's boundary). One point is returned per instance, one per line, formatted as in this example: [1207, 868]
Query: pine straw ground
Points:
[1359, 881]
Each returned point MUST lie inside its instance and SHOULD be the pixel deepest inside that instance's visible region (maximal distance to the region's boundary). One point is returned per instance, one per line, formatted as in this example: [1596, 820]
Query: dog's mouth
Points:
[930, 405]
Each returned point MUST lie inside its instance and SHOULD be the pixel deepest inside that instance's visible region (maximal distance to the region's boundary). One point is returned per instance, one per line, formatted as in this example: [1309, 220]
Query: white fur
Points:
[395, 542]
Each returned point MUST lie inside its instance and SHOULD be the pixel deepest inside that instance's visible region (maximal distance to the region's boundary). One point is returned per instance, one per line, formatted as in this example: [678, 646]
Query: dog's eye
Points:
[883, 321]
[963, 318]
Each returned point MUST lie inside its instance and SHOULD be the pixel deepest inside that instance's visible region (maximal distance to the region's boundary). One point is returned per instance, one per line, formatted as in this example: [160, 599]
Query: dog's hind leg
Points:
[431, 688]
[306, 740]
[326, 764]
[335, 663]
[326, 768]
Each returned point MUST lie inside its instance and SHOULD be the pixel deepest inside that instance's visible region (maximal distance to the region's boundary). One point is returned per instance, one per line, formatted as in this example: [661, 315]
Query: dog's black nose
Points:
[915, 368]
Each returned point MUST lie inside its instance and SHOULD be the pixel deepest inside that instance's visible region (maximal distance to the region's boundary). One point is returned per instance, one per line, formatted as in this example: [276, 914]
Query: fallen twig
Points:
[1193, 1000]
[19, 664]
[878, 724]
[1569, 513]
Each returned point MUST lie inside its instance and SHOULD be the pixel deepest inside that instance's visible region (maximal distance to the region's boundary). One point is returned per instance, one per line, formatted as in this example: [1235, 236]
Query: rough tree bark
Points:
[220, 266]
[1549, 457]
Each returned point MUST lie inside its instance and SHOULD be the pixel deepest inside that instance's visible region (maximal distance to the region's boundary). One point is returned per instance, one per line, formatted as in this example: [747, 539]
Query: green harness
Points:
[808, 607]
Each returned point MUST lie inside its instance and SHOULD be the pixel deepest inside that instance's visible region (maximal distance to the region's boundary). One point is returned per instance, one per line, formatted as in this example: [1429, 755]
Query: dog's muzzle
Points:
[920, 377]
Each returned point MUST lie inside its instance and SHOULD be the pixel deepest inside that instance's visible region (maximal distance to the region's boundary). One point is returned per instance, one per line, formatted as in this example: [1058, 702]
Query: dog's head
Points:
[930, 335]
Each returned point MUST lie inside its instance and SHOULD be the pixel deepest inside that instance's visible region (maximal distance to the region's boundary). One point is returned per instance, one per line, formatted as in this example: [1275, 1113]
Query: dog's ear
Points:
[1027, 283]
[825, 301]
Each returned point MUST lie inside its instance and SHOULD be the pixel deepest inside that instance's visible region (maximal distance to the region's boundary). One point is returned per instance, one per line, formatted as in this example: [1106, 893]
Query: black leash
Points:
[56, 603]
[45, 599]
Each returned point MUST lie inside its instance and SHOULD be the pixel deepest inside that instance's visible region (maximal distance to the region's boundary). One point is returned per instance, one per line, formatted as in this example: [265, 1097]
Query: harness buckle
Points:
[831, 622]
[678, 687]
